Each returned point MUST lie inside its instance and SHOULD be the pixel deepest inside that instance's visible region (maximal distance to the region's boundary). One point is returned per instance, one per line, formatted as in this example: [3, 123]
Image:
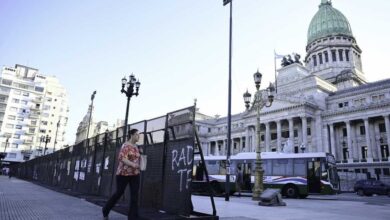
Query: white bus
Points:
[297, 175]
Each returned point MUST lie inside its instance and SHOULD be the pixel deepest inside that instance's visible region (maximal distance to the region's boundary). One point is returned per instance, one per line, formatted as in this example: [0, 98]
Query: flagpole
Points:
[276, 82]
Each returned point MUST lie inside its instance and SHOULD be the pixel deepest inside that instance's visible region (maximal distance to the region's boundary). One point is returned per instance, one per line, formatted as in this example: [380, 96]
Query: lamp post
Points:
[55, 139]
[45, 139]
[258, 103]
[6, 144]
[129, 88]
[90, 112]
[229, 116]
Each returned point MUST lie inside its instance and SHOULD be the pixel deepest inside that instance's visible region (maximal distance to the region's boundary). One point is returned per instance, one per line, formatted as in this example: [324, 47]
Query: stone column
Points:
[313, 137]
[325, 145]
[267, 137]
[387, 125]
[349, 141]
[247, 139]
[332, 141]
[291, 129]
[355, 150]
[319, 144]
[368, 143]
[279, 135]
[304, 130]
[376, 146]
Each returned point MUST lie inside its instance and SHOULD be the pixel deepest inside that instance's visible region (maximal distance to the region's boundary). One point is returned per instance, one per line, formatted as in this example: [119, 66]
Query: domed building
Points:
[324, 104]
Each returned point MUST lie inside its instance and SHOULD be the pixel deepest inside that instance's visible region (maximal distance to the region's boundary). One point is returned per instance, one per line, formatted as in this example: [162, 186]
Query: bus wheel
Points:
[290, 191]
[216, 187]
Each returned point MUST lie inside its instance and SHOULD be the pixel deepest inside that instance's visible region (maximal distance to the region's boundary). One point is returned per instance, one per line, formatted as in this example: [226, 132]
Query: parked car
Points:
[371, 186]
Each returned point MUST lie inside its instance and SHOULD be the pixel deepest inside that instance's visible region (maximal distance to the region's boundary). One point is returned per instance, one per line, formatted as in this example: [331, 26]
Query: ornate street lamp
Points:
[129, 88]
[261, 99]
[45, 139]
[90, 113]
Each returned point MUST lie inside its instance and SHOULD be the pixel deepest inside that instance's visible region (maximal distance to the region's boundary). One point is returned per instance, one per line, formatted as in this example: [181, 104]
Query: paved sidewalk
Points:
[21, 200]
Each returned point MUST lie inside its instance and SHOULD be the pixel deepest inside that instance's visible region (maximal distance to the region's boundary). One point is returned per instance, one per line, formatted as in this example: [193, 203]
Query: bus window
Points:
[267, 165]
[212, 167]
[222, 167]
[282, 167]
[300, 167]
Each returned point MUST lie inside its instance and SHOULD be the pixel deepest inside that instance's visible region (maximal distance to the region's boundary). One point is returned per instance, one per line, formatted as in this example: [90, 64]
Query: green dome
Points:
[328, 21]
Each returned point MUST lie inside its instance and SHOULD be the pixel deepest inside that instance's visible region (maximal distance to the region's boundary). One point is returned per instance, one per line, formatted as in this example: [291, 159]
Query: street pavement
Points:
[22, 200]
[346, 206]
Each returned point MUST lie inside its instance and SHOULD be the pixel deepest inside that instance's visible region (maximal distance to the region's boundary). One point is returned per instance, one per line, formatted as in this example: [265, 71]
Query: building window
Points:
[347, 55]
[285, 134]
[11, 155]
[18, 127]
[344, 132]
[326, 56]
[341, 55]
[382, 127]
[384, 151]
[295, 133]
[7, 82]
[209, 130]
[296, 149]
[15, 100]
[38, 89]
[9, 126]
[274, 136]
[16, 136]
[315, 60]
[26, 94]
[320, 58]
[44, 122]
[24, 102]
[11, 117]
[334, 56]
[386, 171]
[362, 130]
[341, 105]
[345, 104]
[345, 153]
[364, 152]
[14, 146]
[13, 109]
[308, 131]
[262, 137]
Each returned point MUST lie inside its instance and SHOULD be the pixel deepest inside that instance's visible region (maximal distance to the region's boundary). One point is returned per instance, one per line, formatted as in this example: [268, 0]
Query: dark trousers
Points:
[121, 183]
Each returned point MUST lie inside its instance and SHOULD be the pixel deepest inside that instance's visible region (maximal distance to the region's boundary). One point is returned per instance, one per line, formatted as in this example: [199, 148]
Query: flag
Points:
[278, 56]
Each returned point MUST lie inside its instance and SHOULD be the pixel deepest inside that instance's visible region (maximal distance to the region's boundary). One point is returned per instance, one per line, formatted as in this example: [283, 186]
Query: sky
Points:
[177, 49]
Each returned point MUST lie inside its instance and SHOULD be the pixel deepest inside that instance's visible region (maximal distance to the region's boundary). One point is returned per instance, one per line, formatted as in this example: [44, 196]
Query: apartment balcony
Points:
[37, 100]
[27, 152]
[34, 115]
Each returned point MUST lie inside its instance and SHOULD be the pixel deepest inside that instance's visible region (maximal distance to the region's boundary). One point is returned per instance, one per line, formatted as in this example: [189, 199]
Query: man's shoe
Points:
[105, 217]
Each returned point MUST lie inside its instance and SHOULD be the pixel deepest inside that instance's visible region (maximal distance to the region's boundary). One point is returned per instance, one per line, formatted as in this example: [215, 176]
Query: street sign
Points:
[225, 2]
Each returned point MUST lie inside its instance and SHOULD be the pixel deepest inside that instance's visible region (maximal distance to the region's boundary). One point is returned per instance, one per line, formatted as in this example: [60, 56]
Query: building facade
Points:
[33, 108]
[95, 128]
[324, 104]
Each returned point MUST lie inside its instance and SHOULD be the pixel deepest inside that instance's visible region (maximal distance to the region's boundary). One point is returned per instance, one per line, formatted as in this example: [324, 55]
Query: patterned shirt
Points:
[131, 153]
